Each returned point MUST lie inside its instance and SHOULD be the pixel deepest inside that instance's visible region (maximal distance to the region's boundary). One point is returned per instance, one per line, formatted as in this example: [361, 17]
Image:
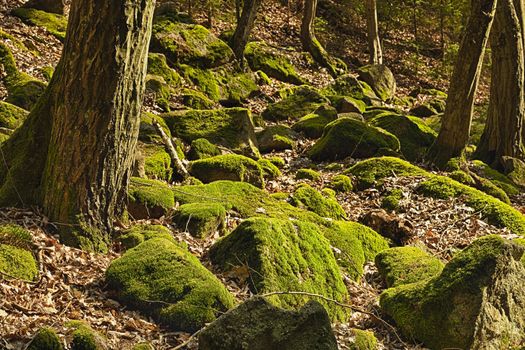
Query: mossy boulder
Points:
[229, 127]
[45, 339]
[349, 137]
[196, 99]
[11, 116]
[55, 24]
[83, 337]
[349, 85]
[149, 198]
[363, 340]
[304, 100]
[186, 295]
[347, 104]
[22, 89]
[157, 65]
[341, 183]
[232, 167]
[161, 91]
[462, 177]
[147, 132]
[261, 56]
[201, 219]
[307, 174]
[276, 138]
[353, 245]
[370, 171]
[283, 255]
[312, 125]
[270, 170]
[477, 302]
[157, 162]
[16, 258]
[413, 134]
[307, 197]
[137, 234]
[265, 326]
[202, 149]
[380, 78]
[404, 265]
[186, 43]
[499, 179]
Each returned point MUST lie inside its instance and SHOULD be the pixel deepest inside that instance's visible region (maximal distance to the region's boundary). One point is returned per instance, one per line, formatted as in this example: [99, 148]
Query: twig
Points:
[181, 170]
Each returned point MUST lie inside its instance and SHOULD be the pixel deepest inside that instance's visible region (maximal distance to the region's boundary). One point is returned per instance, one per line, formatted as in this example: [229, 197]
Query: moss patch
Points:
[202, 149]
[45, 339]
[404, 265]
[312, 125]
[391, 200]
[137, 234]
[363, 340]
[188, 294]
[369, 172]
[348, 85]
[349, 137]
[149, 198]
[304, 100]
[157, 65]
[285, 256]
[309, 198]
[83, 337]
[499, 179]
[270, 170]
[307, 174]
[201, 219]
[232, 167]
[55, 24]
[341, 184]
[16, 258]
[157, 162]
[11, 116]
[276, 138]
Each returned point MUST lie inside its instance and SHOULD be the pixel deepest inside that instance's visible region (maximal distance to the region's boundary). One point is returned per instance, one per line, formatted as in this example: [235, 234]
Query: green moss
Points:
[414, 136]
[55, 24]
[312, 125]
[187, 295]
[277, 161]
[391, 200]
[303, 101]
[444, 312]
[347, 104]
[262, 57]
[201, 149]
[232, 167]
[157, 85]
[11, 116]
[16, 236]
[147, 132]
[281, 255]
[368, 172]
[191, 44]
[157, 162]
[204, 80]
[349, 137]
[380, 78]
[491, 189]
[196, 99]
[16, 261]
[276, 138]
[348, 85]
[229, 127]
[499, 179]
[20, 45]
[139, 233]
[309, 198]
[85, 338]
[201, 219]
[341, 184]
[235, 87]
[463, 177]
[157, 65]
[143, 346]
[149, 198]
[307, 174]
[270, 171]
[363, 340]
[492, 209]
[47, 72]
[45, 339]
[404, 265]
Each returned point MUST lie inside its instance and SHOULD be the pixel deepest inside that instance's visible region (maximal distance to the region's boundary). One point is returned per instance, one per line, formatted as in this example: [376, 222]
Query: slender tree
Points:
[374, 44]
[504, 134]
[456, 122]
[310, 42]
[244, 28]
[73, 154]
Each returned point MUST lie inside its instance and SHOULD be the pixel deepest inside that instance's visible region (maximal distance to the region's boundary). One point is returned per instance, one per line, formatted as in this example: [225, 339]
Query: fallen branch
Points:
[179, 167]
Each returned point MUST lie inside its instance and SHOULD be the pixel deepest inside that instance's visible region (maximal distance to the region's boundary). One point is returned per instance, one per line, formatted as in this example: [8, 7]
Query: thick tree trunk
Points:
[310, 42]
[244, 28]
[503, 136]
[74, 153]
[455, 129]
[374, 44]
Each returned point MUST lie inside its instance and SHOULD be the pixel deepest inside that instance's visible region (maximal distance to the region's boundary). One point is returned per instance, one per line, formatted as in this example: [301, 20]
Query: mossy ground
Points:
[53, 23]
[187, 294]
[283, 254]
[392, 199]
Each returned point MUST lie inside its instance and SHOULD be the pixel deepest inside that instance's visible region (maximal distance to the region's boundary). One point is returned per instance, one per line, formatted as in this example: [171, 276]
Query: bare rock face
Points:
[477, 302]
[258, 325]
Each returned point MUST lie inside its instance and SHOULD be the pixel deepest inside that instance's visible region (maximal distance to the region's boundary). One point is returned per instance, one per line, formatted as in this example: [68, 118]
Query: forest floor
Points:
[71, 284]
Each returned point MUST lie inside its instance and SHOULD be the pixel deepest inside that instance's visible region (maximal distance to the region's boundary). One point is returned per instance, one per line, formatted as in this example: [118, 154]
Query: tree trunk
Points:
[503, 136]
[374, 44]
[244, 28]
[455, 129]
[73, 154]
[309, 41]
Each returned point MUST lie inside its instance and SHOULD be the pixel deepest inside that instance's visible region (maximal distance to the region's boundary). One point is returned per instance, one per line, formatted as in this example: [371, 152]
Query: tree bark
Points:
[455, 129]
[310, 42]
[73, 154]
[503, 136]
[374, 44]
[244, 28]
